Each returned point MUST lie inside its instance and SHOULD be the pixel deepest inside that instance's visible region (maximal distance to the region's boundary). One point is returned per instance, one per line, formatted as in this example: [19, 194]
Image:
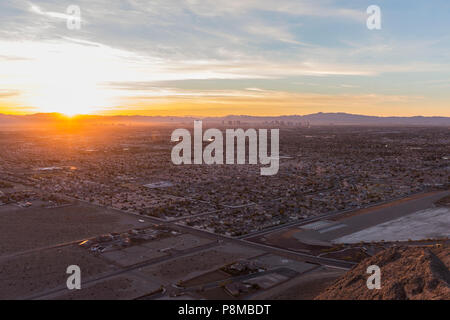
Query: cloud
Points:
[176, 101]
[34, 8]
[8, 94]
[273, 33]
[317, 8]
[12, 58]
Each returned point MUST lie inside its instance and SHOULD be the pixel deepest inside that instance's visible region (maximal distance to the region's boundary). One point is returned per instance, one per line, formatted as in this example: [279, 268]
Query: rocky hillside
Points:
[406, 273]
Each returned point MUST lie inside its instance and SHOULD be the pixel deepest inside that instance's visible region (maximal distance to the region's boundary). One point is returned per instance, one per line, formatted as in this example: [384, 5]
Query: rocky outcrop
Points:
[406, 273]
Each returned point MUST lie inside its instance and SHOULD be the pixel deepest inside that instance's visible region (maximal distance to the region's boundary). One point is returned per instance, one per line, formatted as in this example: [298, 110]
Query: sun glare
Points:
[68, 81]
[68, 99]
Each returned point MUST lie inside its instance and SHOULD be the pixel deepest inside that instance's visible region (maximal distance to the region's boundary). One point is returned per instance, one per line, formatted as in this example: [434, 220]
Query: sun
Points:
[69, 83]
[69, 99]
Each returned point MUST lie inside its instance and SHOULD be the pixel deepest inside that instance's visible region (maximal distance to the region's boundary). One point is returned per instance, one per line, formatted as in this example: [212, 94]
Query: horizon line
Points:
[204, 116]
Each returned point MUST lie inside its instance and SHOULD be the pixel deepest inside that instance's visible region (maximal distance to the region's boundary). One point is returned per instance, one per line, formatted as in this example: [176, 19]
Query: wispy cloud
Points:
[273, 33]
[58, 15]
[8, 94]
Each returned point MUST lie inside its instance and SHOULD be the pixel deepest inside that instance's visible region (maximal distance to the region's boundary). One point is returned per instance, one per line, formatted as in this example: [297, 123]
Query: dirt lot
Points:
[216, 275]
[34, 227]
[26, 275]
[128, 286]
[304, 287]
[196, 264]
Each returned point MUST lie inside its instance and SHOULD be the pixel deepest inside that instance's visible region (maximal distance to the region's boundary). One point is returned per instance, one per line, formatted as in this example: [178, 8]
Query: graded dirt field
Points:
[303, 287]
[121, 287]
[216, 275]
[23, 276]
[153, 249]
[188, 267]
[35, 227]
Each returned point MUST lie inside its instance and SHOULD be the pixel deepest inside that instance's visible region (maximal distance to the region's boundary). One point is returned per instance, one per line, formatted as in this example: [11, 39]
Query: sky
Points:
[221, 57]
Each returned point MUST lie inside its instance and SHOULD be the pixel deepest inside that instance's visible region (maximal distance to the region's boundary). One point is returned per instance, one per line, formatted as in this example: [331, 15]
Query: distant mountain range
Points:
[312, 119]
